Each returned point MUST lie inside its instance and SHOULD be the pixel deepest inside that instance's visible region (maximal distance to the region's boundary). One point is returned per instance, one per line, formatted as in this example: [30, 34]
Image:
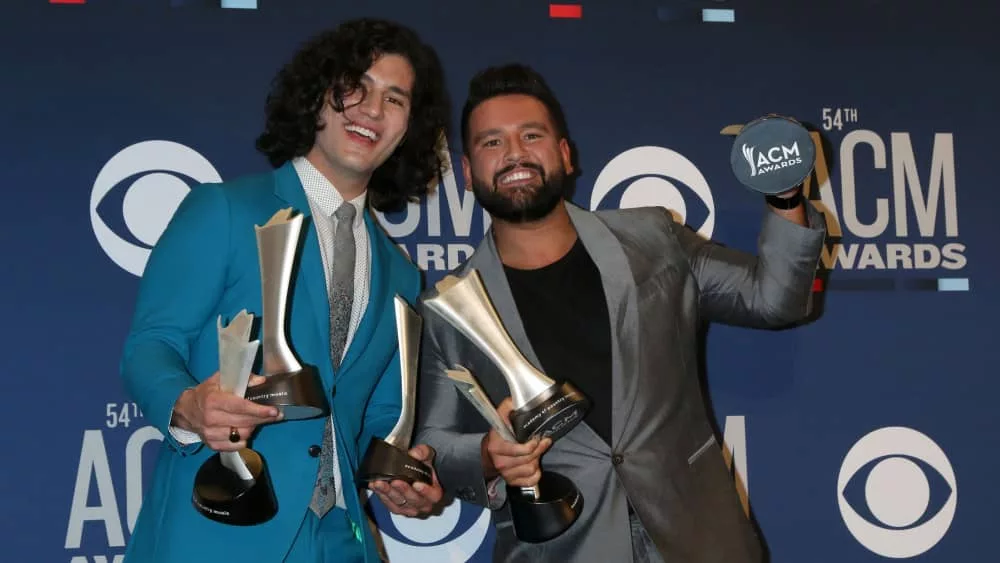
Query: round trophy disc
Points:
[772, 154]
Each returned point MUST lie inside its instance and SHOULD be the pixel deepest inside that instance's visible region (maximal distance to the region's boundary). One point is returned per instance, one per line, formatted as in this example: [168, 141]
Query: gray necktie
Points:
[341, 302]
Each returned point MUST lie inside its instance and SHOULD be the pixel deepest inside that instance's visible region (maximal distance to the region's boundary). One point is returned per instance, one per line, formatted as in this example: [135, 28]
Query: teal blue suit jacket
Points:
[205, 265]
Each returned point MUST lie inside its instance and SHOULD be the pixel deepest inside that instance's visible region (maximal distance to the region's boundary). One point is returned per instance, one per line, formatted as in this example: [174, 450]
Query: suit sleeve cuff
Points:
[184, 437]
[496, 493]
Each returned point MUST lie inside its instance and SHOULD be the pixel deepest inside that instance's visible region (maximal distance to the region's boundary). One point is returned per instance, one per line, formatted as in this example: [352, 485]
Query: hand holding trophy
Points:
[541, 406]
[235, 487]
[388, 460]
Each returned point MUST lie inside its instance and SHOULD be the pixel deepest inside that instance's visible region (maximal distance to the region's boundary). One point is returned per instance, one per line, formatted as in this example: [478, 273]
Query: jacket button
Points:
[314, 450]
[617, 459]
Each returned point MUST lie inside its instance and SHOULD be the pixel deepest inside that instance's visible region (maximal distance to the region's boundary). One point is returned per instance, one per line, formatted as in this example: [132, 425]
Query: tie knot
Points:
[346, 212]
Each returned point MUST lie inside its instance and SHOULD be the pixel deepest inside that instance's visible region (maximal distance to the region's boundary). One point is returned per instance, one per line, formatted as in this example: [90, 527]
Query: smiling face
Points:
[353, 143]
[517, 162]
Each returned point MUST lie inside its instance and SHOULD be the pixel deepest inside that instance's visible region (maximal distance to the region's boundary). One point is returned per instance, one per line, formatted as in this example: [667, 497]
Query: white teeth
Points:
[362, 131]
[516, 177]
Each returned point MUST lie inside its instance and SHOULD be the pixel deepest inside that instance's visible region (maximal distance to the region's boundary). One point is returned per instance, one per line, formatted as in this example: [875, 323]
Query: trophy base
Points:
[298, 395]
[552, 413]
[385, 462]
[220, 495]
[541, 519]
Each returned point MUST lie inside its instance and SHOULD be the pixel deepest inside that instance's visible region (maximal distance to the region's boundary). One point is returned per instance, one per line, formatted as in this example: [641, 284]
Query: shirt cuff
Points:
[184, 437]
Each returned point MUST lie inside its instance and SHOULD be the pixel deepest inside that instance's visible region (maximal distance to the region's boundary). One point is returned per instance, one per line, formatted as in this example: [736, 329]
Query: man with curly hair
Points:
[353, 123]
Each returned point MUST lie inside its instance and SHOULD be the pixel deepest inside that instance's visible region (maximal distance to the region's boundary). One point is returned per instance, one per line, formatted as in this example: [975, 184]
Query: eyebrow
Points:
[396, 89]
[489, 132]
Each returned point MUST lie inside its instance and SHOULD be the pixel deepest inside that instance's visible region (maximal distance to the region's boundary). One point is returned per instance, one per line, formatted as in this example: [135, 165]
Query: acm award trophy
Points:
[295, 390]
[235, 487]
[537, 517]
[388, 460]
[771, 154]
[541, 406]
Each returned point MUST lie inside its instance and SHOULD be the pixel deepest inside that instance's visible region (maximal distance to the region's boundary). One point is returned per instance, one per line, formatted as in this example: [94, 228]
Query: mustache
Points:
[506, 169]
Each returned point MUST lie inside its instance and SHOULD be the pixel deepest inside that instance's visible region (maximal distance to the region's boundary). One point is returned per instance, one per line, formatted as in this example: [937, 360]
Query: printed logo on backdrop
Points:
[892, 214]
[441, 231]
[137, 192]
[462, 532]
[117, 452]
[651, 176]
[897, 492]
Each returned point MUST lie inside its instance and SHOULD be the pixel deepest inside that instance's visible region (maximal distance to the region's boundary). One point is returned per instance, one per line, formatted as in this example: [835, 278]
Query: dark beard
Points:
[536, 205]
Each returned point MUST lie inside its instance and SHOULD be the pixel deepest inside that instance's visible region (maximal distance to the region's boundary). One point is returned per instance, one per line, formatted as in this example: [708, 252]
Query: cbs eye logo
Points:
[649, 176]
[462, 532]
[897, 492]
[137, 192]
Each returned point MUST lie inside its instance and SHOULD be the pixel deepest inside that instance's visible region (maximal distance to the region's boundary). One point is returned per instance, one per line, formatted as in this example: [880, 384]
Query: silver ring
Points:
[403, 503]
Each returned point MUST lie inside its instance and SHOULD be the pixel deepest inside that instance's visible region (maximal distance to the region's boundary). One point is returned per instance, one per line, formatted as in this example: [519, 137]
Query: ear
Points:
[467, 173]
[566, 155]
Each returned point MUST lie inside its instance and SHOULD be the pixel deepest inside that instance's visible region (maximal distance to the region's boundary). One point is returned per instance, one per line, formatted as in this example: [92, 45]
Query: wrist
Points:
[489, 470]
[180, 415]
[787, 202]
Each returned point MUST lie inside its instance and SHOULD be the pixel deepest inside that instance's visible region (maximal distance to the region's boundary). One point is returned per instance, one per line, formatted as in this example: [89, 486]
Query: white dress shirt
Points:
[324, 200]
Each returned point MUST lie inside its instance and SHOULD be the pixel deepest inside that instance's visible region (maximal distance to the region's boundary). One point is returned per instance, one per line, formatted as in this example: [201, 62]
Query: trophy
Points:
[388, 460]
[537, 517]
[771, 154]
[541, 407]
[296, 390]
[235, 487]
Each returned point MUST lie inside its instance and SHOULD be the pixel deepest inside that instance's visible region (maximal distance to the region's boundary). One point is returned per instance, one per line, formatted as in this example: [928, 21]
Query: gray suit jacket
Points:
[661, 281]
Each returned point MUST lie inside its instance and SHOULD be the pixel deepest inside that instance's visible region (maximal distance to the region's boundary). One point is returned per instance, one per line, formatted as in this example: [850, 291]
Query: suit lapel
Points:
[620, 295]
[311, 277]
[376, 299]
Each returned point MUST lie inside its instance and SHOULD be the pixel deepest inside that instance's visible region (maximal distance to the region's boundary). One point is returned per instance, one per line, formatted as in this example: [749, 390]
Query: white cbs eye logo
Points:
[456, 534]
[903, 503]
[158, 175]
[652, 174]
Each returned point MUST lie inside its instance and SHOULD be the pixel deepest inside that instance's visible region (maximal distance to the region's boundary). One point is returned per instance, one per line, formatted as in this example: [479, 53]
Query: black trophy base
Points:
[553, 413]
[220, 495]
[385, 462]
[541, 519]
[298, 395]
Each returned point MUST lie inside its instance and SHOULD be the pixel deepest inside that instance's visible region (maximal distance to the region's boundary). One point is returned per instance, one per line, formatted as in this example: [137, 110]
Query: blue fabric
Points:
[205, 265]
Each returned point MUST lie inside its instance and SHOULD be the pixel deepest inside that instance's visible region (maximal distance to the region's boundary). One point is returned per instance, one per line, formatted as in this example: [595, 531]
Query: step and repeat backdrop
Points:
[863, 436]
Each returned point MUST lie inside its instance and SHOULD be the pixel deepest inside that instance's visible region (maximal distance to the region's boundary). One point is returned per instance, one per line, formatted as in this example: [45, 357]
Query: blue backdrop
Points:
[855, 438]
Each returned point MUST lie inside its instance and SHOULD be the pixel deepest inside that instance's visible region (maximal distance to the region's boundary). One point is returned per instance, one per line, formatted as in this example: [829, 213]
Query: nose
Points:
[515, 150]
[371, 105]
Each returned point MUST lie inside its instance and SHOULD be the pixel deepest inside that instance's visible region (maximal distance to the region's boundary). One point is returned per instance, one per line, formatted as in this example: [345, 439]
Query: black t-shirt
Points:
[565, 315]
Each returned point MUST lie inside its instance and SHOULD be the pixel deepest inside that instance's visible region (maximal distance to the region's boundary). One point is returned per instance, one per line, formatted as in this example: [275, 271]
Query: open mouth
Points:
[361, 134]
[517, 177]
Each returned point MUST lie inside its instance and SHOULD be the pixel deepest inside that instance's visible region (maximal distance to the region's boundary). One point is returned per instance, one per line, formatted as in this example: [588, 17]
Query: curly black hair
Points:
[512, 78]
[334, 61]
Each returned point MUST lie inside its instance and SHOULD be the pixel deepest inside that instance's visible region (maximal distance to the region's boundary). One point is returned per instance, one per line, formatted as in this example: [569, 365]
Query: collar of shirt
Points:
[322, 194]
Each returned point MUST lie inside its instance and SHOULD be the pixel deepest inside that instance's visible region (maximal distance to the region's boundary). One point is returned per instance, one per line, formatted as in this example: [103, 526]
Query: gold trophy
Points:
[541, 406]
[235, 487]
[296, 390]
[388, 460]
